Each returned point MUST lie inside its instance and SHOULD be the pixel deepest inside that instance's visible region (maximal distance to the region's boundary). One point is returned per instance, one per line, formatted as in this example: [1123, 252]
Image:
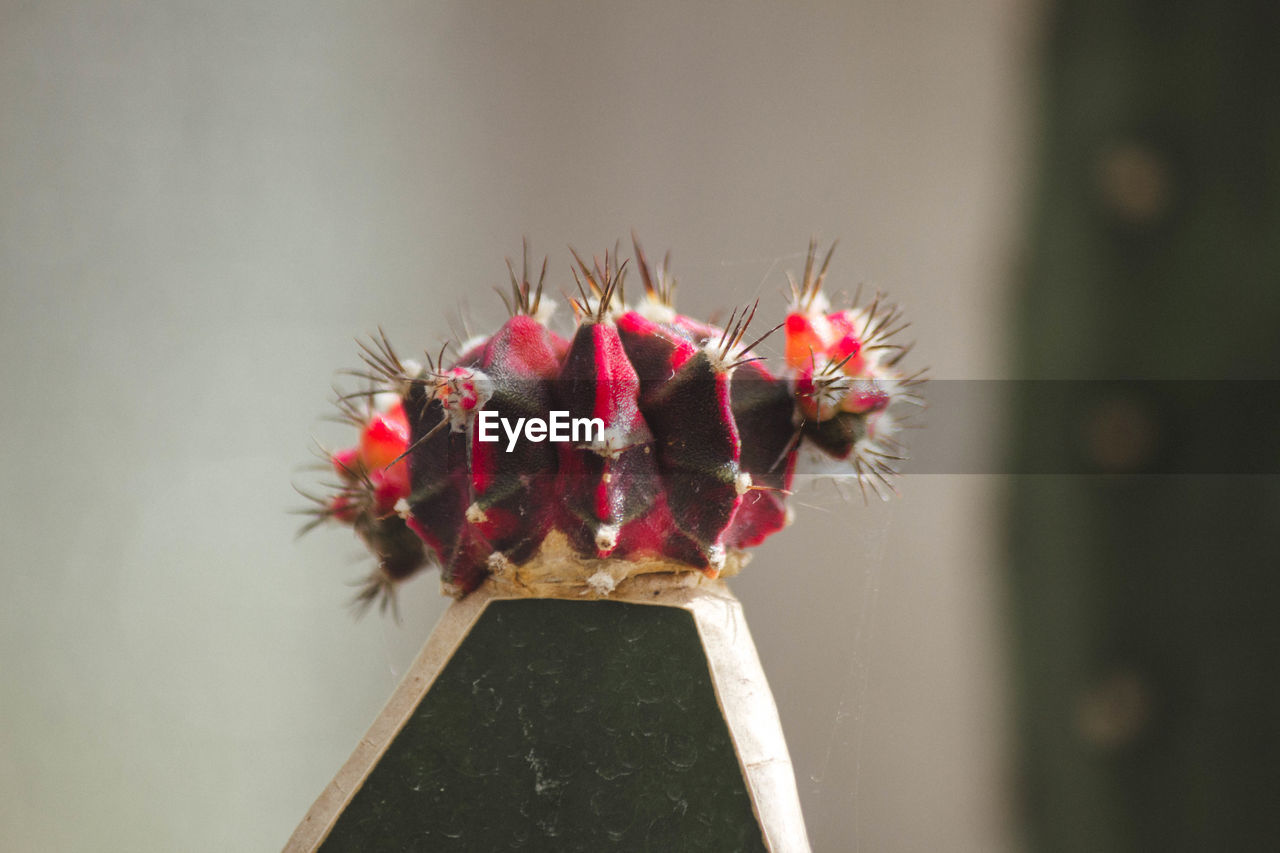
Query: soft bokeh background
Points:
[201, 204]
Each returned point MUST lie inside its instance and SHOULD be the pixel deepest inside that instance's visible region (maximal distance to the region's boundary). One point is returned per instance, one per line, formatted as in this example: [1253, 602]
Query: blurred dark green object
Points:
[561, 725]
[1145, 605]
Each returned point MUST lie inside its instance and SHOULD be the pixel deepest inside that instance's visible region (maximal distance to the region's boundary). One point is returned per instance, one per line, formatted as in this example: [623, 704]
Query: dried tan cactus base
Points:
[713, 732]
[557, 571]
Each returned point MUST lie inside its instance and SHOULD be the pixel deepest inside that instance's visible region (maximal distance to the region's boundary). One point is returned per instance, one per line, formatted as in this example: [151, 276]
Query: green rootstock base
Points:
[561, 725]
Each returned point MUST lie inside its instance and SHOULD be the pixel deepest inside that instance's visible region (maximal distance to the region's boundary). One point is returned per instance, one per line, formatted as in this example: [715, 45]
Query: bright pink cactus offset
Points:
[644, 441]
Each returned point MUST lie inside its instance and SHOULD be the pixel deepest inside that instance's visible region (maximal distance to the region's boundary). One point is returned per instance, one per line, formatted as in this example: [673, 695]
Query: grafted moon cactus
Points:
[644, 441]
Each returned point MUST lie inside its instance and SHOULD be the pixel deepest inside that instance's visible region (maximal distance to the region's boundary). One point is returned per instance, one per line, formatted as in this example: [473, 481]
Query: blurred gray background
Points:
[201, 204]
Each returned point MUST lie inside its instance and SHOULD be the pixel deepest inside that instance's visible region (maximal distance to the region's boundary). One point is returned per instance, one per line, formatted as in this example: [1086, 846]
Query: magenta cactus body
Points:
[688, 444]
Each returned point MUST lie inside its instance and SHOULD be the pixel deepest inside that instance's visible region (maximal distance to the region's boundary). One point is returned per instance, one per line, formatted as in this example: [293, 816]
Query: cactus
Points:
[682, 443]
[1144, 597]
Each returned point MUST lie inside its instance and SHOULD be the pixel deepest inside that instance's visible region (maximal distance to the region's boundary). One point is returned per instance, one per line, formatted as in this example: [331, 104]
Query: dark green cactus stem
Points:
[562, 725]
[1145, 605]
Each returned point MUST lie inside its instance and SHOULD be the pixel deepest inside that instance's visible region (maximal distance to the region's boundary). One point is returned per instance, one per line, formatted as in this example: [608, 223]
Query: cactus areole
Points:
[643, 441]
